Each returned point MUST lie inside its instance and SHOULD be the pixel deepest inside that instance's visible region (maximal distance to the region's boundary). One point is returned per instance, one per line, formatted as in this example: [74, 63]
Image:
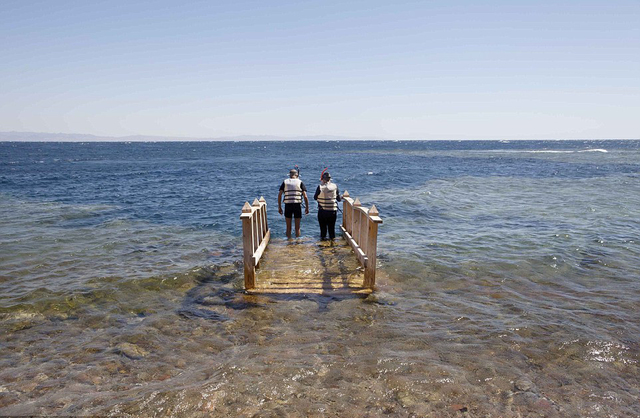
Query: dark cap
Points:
[326, 175]
[293, 172]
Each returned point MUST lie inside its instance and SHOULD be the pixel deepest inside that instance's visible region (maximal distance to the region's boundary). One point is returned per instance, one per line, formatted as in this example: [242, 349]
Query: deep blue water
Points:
[202, 184]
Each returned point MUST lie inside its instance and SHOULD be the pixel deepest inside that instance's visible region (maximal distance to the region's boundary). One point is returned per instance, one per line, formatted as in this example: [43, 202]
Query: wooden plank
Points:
[258, 227]
[349, 212]
[362, 235]
[264, 214]
[355, 225]
[305, 290]
[346, 204]
[263, 245]
[258, 222]
[362, 258]
[360, 255]
[349, 238]
[254, 234]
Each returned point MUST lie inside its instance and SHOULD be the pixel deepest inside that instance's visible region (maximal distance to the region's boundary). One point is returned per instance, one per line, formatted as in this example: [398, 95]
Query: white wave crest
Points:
[550, 152]
[566, 151]
[594, 150]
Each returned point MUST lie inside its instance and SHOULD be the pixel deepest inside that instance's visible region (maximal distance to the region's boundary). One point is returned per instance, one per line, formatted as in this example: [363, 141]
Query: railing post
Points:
[372, 247]
[247, 247]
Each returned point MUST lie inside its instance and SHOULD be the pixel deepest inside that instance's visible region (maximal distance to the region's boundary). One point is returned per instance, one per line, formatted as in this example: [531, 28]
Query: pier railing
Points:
[360, 229]
[255, 238]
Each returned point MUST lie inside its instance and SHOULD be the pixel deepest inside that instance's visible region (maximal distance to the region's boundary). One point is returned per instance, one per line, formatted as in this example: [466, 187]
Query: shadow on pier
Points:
[309, 268]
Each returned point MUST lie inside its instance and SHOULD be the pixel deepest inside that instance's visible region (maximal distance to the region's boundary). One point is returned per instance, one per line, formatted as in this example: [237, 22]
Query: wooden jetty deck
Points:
[306, 266]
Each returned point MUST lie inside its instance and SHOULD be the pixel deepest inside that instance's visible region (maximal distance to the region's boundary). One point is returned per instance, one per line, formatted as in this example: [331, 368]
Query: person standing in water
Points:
[294, 191]
[328, 196]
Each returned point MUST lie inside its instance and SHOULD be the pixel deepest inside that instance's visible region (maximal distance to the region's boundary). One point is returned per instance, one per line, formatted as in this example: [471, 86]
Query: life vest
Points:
[327, 197]
[292, 191]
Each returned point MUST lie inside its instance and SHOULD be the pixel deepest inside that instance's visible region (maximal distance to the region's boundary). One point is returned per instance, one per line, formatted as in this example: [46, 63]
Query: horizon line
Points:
[17, 136]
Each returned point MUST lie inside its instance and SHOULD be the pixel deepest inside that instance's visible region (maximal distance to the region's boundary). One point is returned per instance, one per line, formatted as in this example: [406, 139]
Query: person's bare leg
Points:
[297, 227]
[288, 221]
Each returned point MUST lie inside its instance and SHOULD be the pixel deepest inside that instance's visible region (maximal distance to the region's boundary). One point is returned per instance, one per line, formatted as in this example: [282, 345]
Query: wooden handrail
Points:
[255, 238]
[360, 229]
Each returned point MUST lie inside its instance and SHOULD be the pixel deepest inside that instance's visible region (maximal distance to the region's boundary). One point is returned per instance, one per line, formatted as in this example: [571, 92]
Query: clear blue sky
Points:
[388, 69]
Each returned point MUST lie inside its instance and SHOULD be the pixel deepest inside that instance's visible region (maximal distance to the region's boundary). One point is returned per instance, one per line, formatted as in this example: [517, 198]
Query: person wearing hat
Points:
[328, 196]
[294, 190]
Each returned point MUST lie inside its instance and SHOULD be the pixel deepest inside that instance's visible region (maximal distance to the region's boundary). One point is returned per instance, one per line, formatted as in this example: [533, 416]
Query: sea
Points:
[508, 281]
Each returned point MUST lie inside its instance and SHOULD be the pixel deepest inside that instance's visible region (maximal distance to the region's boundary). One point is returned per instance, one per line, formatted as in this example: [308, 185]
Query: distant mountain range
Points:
[62, 137]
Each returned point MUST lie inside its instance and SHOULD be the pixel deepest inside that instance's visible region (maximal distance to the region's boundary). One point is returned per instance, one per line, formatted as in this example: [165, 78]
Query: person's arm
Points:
[338, 197]
[280, 199]
[315, 196]
[306, 202]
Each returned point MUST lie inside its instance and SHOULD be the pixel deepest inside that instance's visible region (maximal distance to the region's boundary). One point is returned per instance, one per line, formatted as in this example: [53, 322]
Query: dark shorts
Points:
[292, 210]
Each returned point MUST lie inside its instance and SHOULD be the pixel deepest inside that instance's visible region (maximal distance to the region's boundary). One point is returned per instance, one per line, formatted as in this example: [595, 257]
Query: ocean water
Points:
[508, 281]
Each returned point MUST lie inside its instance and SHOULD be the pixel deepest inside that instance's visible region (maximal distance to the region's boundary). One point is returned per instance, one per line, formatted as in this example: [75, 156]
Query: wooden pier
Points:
[255, 238]
[311, 267]
[360, 229]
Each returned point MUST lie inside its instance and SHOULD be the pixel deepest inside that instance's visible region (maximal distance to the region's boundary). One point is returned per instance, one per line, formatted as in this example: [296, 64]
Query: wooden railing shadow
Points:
[310, 268]
[332, 277]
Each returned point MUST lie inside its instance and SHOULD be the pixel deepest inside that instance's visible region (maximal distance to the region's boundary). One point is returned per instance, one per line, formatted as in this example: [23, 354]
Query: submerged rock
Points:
[192, 312]
[131, 350]
[523, 384]
[380, 298]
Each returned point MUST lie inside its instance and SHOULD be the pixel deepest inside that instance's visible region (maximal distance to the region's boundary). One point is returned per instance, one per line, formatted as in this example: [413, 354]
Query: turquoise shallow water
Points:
[509, 281]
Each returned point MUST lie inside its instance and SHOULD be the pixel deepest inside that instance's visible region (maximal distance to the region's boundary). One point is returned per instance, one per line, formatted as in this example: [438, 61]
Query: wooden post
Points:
[247, 246]
[372, 247]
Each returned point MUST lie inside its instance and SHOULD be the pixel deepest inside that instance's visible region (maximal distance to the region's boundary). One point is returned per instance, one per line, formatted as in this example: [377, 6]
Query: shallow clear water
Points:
[508, 281]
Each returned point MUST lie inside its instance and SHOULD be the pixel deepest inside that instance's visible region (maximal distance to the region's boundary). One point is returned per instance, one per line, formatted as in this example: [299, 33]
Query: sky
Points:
[451, 69]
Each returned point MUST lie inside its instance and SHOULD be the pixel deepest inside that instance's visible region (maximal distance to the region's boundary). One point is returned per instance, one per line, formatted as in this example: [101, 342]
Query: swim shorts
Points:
[293, 210]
